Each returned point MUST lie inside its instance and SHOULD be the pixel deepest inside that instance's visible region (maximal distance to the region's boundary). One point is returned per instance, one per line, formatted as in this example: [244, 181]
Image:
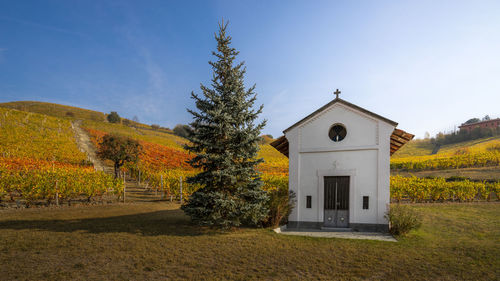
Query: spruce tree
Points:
[225, 140]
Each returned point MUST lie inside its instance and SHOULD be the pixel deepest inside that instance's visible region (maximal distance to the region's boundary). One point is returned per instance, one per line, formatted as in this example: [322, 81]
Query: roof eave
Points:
[390, 122]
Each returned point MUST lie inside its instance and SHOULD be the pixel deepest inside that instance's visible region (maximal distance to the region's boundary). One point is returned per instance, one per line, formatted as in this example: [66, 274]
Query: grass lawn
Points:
[155, 241]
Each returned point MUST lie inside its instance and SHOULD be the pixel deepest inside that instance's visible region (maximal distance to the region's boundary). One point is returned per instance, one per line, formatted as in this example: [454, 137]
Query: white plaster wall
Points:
[384, 171]
[361, 130]
[293, 170]
[359, 165]
[363, 155]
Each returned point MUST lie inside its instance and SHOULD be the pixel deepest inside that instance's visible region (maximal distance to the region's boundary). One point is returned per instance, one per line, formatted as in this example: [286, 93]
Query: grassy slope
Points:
[275, 161]
[159, 137]
[56, 110]
[478, 145]
[414, 148]
[156, 241]
[37, 136]
[424, 147]
[421, 150]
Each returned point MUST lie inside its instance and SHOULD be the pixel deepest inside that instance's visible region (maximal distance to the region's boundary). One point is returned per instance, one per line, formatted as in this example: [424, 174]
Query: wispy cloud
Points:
[150, 102]
[156, 74]
[43, 26]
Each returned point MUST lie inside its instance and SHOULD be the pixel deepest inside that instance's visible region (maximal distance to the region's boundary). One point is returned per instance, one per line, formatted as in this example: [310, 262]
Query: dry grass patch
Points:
[156, 241]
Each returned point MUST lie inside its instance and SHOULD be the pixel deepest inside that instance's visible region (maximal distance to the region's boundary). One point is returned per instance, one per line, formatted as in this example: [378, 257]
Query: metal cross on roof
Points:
[337, 92]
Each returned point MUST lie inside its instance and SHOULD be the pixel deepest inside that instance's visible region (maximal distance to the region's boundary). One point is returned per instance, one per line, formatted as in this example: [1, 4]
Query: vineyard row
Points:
[56, 184]
[482, 159]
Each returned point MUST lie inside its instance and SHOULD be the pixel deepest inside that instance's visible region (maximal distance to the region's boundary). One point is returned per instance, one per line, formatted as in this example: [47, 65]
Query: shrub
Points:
[181, 130]
[402, 219]
[113, 117]
[155, 127]
[119, 149]
[126, 122]
[281, 203]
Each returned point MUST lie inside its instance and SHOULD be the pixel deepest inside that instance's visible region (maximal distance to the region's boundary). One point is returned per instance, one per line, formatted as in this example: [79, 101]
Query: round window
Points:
[337, 133]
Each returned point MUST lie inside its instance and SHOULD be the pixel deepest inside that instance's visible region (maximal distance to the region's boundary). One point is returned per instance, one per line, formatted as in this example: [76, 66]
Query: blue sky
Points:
[428, 65]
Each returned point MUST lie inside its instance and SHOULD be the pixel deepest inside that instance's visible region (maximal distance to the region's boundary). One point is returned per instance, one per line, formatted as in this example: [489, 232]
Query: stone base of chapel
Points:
[361, 227]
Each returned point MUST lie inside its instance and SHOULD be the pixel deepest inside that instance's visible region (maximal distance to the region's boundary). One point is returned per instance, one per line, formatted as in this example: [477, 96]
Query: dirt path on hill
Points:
[134, 192]
[85, 145]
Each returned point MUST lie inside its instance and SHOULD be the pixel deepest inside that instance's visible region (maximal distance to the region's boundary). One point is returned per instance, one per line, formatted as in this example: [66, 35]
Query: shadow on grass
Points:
[167, 222]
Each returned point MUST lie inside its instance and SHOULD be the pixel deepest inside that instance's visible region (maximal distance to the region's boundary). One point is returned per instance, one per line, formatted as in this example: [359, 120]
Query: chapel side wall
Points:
[293, 170]
[384, 171]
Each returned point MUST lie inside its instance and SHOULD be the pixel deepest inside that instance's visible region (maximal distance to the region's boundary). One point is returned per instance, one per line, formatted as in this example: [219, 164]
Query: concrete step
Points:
[336, 229]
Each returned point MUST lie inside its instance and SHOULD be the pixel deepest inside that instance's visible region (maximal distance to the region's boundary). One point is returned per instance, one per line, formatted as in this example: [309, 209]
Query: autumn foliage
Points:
[37, 151]
[119, 149]
[40, 161]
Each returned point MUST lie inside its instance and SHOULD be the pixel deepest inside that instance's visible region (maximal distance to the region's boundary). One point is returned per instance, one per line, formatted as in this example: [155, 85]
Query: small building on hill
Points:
[486, 124]
[339, 167]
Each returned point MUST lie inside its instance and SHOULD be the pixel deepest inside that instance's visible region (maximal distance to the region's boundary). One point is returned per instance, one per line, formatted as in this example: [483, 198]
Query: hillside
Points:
[476, 159]
[56, 110]
[40, 162]
[165, 150]
[95, 120]
[38, 137]
[40, 159]
[163, 155]
[414, 147]
[159, 137]
[62, 111]
[421, 147]
[478, 145]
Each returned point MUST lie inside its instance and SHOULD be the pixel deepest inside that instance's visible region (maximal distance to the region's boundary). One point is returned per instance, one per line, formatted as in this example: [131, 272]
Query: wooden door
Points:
[336, 206]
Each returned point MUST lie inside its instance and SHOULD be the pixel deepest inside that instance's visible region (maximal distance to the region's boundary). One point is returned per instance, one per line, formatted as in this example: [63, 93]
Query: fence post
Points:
[57, 194]
[180, 184]
[162, 190]
[124, 186]
[139, 177]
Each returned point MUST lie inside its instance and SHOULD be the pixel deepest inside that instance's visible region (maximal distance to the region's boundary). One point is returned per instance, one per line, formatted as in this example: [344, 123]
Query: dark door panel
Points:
[336, 213]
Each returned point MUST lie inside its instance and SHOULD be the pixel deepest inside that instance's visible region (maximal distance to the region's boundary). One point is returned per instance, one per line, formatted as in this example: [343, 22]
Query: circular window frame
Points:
[334, 125]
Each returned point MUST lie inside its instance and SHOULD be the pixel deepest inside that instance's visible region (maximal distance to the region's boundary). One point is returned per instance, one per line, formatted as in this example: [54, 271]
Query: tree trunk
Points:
[117, 167]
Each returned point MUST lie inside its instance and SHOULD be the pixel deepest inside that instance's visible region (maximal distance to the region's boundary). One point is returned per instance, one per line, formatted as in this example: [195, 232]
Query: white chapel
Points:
[339, 167]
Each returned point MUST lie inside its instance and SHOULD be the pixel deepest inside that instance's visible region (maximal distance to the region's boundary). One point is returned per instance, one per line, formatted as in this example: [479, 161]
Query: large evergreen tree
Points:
[224, 137]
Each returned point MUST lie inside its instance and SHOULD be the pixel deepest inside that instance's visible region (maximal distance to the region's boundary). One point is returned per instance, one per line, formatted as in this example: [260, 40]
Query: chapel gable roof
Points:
[398, 139]
[346, 103]
[398, 136]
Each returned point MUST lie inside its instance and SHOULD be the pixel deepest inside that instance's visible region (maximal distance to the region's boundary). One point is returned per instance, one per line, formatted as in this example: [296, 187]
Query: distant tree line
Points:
[464, 135]
[181, 130]
[475, 120]
[113, 117]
